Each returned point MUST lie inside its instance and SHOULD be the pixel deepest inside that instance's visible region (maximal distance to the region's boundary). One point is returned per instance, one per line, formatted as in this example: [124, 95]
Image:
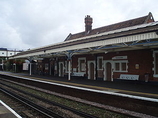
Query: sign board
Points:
[46, 67]
[129, 77]
[120, 57]
[137, 66]
[25, 66]
[78, 74]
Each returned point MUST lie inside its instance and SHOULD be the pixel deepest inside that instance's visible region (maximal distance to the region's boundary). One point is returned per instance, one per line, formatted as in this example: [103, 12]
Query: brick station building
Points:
[126, 50]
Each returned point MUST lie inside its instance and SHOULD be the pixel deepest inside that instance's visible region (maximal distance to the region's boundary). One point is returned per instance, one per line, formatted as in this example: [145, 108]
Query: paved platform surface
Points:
[146, 89]
[7, 112]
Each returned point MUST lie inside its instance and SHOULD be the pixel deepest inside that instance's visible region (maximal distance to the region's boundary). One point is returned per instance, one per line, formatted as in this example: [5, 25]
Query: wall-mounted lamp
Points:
[106, 52]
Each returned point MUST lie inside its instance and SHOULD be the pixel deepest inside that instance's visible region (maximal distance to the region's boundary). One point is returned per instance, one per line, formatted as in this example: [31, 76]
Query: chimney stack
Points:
[88, 23]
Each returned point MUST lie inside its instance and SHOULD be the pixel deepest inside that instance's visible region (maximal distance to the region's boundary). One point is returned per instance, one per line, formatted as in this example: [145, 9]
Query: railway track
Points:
[140, 106]
[99, 112]
[46, 112]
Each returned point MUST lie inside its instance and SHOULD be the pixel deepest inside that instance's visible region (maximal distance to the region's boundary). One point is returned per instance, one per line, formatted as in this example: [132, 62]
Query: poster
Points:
[25, 66]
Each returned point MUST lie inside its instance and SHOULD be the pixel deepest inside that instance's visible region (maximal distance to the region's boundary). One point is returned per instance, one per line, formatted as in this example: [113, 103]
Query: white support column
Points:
[30, 68]
[112, 74]
[69, 58]
[69, 67]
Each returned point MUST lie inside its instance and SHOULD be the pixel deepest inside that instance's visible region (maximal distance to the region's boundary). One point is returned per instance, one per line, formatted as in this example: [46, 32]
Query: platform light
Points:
[106, 52]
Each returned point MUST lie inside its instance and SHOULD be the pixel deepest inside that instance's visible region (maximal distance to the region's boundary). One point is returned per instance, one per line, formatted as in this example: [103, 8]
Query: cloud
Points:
[34, 23]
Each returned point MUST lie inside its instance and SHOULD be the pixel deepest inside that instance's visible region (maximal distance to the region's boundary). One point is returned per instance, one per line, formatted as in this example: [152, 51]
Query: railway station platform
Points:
[138, 88]
[7, 112]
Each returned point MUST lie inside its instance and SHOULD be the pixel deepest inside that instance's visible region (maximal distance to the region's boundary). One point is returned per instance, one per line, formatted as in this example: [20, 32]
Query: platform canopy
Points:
[144, 36]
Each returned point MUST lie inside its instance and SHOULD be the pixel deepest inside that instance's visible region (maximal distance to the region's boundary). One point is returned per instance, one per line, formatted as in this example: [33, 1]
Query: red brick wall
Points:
[100, 74]
[144, 58]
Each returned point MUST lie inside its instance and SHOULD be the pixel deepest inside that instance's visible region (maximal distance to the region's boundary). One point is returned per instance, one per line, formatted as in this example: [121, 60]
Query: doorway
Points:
[91, 70]
[61, 69]
[108, 71]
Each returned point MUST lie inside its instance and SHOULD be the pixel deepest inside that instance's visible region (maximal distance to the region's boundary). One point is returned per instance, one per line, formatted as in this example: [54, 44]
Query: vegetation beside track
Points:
[102, 113]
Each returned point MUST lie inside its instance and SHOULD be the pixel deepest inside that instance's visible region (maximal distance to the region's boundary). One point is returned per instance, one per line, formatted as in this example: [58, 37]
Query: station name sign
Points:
[119, 57]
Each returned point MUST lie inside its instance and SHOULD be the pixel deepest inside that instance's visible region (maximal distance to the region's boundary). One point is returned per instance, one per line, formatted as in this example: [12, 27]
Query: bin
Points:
[146, 77]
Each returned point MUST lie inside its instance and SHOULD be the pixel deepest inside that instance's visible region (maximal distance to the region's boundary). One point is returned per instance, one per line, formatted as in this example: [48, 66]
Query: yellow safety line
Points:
[89, 86]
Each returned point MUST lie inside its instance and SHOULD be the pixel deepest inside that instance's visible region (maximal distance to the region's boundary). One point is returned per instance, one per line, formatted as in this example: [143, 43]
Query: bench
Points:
[79, 74]
[129, 77]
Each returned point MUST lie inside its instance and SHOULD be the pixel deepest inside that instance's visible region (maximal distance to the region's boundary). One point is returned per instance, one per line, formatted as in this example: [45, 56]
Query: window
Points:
[117, 66]
[124, 66]
[100, 63]
[120, 66]
[10, 53]
[81, 64]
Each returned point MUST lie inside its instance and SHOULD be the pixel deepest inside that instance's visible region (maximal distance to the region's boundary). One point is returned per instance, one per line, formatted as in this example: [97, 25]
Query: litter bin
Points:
[146, 77]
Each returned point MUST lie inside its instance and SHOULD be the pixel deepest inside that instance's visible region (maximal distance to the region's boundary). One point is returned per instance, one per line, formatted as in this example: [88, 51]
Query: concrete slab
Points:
[7, 112]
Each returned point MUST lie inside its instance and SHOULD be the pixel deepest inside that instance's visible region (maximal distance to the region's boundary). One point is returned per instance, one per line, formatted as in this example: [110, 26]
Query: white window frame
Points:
[79, 68]
[3, 53]
[100, 57]
[154, 69]
[120, 67]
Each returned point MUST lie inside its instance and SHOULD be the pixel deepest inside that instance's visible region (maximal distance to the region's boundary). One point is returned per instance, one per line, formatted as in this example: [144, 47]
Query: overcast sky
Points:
[27, 24]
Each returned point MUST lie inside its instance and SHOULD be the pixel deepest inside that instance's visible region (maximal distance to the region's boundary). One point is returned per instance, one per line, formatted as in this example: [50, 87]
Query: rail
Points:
[83, 114]
[40, 109]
